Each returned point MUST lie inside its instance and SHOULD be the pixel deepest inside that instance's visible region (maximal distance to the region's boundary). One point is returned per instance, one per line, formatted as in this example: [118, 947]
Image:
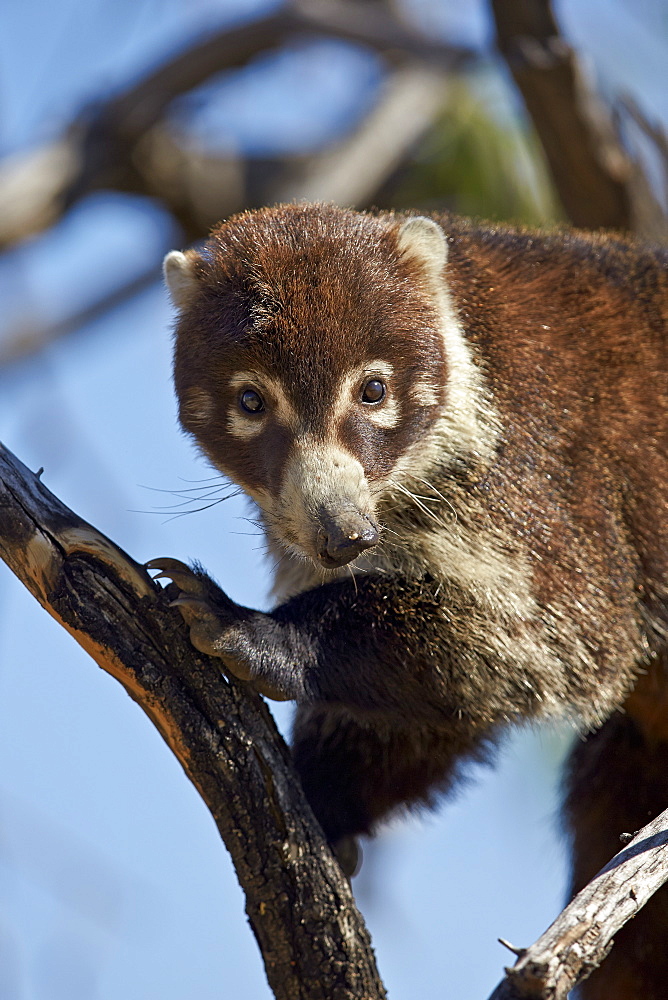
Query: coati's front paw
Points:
[200, 603]
[216, 622]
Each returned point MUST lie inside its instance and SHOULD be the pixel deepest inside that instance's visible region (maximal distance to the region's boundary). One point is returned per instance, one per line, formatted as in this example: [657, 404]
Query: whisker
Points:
[194, 490]
[183, 513]
[417, 501]
[439, 494]
[264, 548]
[391, 531]
[208, 479]
[190, 500]
[250, 520]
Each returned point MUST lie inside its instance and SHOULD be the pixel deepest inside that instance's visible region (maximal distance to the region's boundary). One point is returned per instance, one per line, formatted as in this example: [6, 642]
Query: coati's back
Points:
[456, 439]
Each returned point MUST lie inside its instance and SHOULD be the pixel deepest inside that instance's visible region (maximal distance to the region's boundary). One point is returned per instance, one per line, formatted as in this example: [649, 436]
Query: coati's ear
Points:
[179, 275]
[424, 240]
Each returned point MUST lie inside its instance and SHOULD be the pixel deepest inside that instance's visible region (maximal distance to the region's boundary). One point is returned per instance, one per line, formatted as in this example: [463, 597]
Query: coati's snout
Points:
[325, 509]
[344, 535]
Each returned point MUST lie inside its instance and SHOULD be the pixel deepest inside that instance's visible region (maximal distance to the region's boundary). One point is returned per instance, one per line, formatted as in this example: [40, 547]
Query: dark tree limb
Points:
[312, 938]
[598, 183]
[582, 935]
[300, 906]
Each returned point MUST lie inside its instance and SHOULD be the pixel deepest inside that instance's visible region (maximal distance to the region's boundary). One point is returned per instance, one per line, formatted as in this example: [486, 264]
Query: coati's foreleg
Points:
[356, 773]
[380, 723]
[617, 780]
[366, 645]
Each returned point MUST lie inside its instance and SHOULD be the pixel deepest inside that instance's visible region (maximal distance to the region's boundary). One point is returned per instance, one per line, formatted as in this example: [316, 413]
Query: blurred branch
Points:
[299, 904]
[651, 214]
[102, 149]
[126, 142]
[376, 26]
[598, 184]
[582, 935]
[354, 170]
[29, 338]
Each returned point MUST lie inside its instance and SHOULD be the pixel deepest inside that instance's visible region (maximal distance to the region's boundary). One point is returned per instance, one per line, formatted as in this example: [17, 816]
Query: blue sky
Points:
[113, 881]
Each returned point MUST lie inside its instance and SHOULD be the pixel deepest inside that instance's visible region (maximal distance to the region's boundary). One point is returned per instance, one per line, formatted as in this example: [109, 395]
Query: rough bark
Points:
[312, 938]
[311, 935]
[582, 935]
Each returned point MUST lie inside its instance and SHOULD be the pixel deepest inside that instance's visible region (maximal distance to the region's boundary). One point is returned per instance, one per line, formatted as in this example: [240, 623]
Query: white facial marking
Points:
[384, 414]
[244, 426]
[424, 393]
[247, 425]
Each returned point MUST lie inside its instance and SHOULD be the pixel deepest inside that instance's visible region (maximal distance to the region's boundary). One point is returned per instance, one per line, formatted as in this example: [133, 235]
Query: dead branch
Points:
[582, 935]
[354, 171]
[109, 144]
[598, 183]
[300, 906]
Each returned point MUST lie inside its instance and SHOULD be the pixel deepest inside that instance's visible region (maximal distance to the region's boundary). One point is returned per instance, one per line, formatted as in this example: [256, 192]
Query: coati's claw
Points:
[348, 853]
[211, 621]
[207, 628]
[181, 574]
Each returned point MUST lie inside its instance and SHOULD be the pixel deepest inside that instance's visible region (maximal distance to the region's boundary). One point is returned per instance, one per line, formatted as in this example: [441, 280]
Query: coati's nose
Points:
[343, 538]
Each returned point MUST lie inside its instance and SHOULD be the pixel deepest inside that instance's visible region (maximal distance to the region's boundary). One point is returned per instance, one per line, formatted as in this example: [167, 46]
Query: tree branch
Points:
[102, 148]
[598, 183]
[355, 169]
[299, 904]
[582, 935]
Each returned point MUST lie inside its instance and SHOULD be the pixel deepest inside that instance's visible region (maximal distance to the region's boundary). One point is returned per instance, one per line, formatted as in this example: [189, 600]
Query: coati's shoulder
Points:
[604, 249]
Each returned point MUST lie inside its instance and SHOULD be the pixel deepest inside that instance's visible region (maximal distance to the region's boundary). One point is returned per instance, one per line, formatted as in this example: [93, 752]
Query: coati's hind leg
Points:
[355, 774]
[617, 780]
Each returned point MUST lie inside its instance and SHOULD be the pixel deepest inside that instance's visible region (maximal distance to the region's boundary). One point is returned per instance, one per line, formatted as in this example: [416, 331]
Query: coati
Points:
[455, 437]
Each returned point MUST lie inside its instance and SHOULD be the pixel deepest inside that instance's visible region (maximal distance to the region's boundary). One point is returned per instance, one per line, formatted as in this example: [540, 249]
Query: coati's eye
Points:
[251, 401]
[373, 391]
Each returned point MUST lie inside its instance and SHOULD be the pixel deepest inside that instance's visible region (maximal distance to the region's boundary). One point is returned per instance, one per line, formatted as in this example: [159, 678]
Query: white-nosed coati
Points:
[455, 436]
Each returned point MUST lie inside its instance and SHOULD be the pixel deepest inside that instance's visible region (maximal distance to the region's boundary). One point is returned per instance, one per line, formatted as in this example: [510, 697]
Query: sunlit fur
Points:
[300, 354]
[516, 469]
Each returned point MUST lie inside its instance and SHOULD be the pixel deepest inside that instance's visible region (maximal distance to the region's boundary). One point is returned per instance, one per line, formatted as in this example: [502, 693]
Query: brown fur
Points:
[520, 481]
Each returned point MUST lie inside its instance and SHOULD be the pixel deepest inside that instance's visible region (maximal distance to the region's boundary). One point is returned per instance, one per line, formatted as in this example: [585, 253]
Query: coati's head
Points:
[311, 365]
